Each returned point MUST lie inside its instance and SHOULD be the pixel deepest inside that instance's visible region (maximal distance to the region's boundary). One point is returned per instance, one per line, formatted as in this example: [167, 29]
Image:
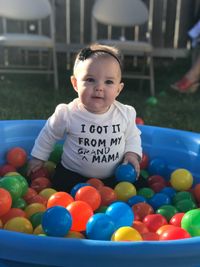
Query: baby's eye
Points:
[90, 80]
[109, 82]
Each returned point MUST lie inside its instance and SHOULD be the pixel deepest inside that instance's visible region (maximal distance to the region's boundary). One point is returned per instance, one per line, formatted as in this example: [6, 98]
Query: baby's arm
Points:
[34, 165]
[134, 159]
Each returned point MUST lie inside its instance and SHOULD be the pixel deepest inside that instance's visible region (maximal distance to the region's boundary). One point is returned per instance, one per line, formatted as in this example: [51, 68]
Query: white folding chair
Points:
[23, 13]
[125, 14]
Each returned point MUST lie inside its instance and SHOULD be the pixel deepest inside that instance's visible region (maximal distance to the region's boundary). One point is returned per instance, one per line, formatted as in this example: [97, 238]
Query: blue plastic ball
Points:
[125, 172]
[77, 187]
[56, 221]
[121, 214]
[170, 191]
[136, 199]
[100, 227]
[158, 200]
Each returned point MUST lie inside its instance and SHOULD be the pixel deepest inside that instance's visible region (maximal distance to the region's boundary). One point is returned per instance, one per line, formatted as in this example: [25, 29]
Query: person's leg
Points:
[189, 83]
[65, 180]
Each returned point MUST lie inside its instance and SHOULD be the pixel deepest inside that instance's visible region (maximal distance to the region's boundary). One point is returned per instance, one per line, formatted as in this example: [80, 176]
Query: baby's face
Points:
[97, 81]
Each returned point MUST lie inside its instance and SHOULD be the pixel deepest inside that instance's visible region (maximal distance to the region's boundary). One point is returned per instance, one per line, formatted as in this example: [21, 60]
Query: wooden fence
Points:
[169, 21]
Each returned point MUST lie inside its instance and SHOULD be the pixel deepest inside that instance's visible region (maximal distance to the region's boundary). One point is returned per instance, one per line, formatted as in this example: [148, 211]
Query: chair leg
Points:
[152, 81]
[55, 69]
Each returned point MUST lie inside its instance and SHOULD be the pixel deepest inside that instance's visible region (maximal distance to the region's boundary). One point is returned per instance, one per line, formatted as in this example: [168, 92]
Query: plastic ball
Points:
[22, 180]
[38, 230]
[19, 224]
[33, 208]
[196, 192]
[136, 199]
[47, 192]
[5, 201]
[97, 183]
[139, 120]
[181, 179]
[141, 210]
[56, 221]
[168, 211]
[36, 219]
[100, 227]
[16, 157]
[19, 203]
[7, 168]
[90, 195]
[191, 222]
[154, 221]
[125, 190]
[158, 200]
[13, 185]
[176, 219]
[168, 191]
[40, 183]
[179, 196]
[74, 234]
[140, 227]
[42, 172]
[81, 213]
[146, 192]
[126, 233]
[38, 199]
[12, 213]
[50, 166]
[56, 154]
[152, 101]
[125, 172]
[77, 187]
[174, 233]
[144, 161]
[185, 205]
[121, 214]
[108, 195]
[29, 194]
[150, 236]
[59, 199]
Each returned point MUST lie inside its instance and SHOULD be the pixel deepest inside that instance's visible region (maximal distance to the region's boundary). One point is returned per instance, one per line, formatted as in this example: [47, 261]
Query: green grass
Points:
[32, 97]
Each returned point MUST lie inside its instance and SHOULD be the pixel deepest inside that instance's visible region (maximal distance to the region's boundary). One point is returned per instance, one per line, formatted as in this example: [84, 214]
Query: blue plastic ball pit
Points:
[179, 149]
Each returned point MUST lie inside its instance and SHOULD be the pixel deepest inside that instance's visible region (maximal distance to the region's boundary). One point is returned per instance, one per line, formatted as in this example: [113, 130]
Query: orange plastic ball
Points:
[59, 199]
[90, 195]
[16, 157]
[81, 213]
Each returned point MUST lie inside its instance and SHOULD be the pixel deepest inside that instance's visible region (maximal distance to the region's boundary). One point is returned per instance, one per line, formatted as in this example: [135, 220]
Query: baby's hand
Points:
[131, 157]
[34, 165]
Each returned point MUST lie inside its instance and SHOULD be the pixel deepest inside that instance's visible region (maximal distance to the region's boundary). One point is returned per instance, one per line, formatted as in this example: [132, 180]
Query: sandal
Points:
[185, 86]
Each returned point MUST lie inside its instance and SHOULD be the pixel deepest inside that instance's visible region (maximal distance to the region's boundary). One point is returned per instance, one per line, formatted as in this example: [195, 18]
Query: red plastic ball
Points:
[144, 161]
[42, 172]
[5, 201]
[174, 233]
[12, 213]
[108, 195]
[97, 183]
[141, 210]
[16, 157]
[176, 219]
[40, 183]
[154, 221]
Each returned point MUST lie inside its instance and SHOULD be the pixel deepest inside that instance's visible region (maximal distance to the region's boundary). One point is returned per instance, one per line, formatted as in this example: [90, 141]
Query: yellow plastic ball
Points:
[126, 233]
[47, 192]
[74, 234]
[181, 179]
[19, 224]
[39, 230]
[33, 208]
[125, 190]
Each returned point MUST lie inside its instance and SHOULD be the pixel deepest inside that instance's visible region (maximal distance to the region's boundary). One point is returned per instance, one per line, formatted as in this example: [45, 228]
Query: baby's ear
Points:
[121, 86]
[74, 82]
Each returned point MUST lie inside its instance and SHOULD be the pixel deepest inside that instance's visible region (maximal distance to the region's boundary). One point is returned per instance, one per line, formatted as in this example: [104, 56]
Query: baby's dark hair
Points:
[97, 50]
